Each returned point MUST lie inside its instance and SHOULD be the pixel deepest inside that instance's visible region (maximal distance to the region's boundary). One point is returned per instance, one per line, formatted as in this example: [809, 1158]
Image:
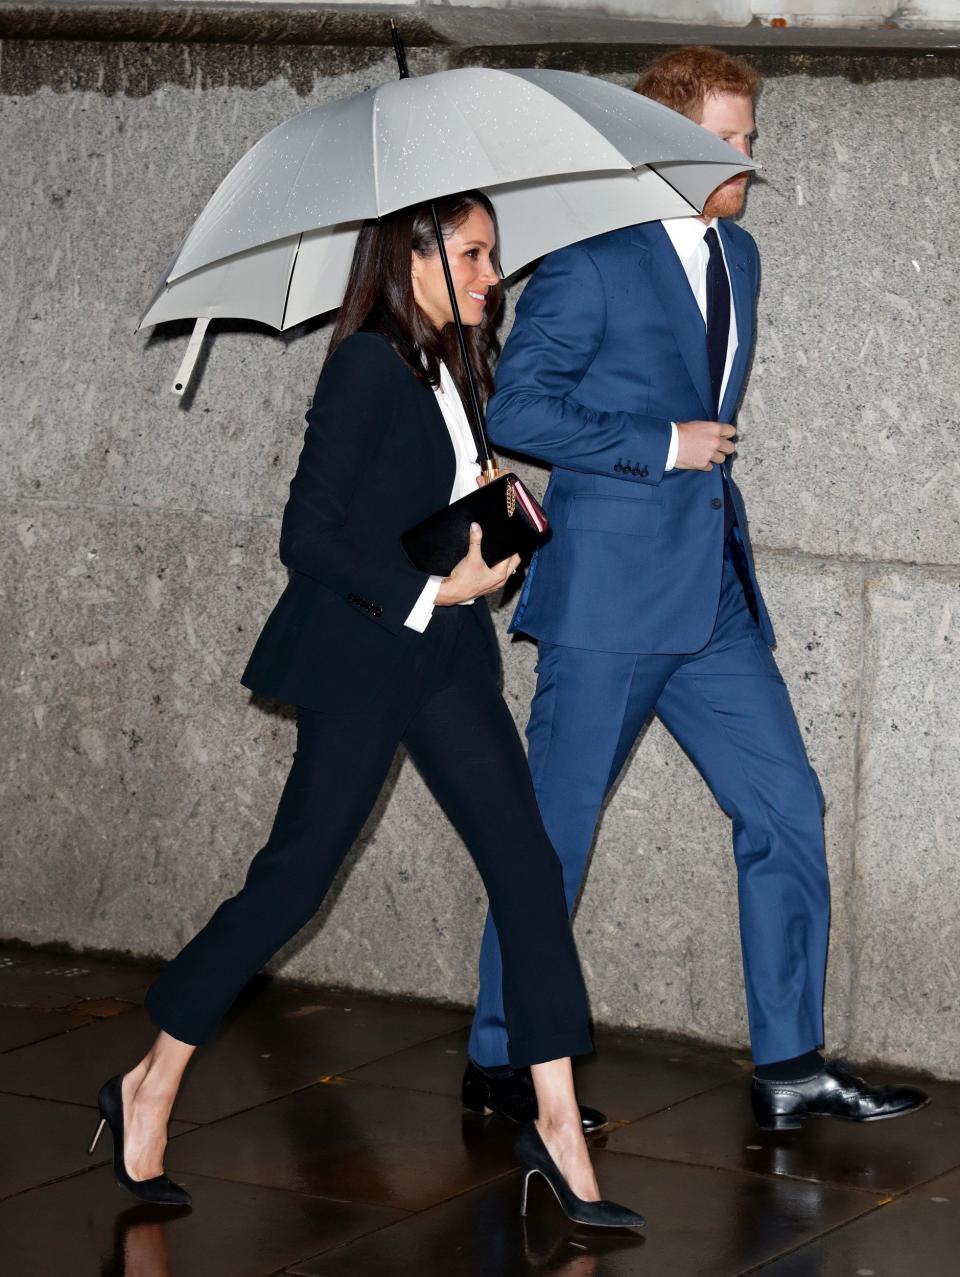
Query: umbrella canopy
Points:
[288, 280]
[562, 156]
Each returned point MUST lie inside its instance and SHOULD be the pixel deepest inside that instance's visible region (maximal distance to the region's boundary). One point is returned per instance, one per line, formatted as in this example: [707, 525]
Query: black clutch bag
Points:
[510, 516]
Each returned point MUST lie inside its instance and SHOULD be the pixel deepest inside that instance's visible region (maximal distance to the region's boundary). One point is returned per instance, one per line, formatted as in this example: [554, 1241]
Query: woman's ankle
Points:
[133, 1079]
[147, 1086]
[562, 1127]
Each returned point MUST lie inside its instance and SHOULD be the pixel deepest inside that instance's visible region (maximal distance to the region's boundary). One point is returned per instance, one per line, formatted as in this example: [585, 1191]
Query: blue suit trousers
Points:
[729, 709]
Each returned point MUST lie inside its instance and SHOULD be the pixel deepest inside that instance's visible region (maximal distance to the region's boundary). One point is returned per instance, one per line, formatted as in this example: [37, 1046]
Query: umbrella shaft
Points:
[399, 50]
[479, 433]
[484, 455]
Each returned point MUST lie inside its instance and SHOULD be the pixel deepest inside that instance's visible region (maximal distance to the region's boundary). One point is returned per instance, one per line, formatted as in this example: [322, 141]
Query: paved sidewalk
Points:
[322, 1135]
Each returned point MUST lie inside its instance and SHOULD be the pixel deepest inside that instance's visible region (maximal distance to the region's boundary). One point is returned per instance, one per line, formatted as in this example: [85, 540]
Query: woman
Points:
[375, 653]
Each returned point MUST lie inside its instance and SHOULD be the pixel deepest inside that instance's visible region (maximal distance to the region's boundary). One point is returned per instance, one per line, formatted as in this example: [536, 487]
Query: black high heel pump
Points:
[534, 1159]
[160, 1190]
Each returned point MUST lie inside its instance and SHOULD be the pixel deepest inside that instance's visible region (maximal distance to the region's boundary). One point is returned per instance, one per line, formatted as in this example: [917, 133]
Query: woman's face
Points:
[470, 250]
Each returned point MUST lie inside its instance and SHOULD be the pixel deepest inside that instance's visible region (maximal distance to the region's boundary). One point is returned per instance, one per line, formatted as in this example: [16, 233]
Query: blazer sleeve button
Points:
[619, 468]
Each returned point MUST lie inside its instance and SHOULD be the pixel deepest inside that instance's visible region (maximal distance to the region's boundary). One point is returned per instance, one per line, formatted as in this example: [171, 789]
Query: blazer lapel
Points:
[743, 309]
[441, 451]
[673, 287]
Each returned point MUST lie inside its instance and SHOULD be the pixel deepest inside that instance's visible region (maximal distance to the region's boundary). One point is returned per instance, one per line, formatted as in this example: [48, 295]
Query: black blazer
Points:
[376, 459]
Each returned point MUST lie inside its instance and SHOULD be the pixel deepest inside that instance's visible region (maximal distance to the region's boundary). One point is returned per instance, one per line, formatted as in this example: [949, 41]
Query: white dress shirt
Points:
[687, 237]
[464, 482]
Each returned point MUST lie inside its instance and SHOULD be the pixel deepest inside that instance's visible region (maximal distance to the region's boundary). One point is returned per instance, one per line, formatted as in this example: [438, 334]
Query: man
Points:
[624, 372]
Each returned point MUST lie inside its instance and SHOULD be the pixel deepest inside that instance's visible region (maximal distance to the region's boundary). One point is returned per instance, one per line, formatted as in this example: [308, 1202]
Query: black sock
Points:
[800, 1066]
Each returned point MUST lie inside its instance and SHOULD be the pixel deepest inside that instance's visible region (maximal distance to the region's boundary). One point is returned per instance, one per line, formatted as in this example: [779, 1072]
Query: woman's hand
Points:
[471, 578]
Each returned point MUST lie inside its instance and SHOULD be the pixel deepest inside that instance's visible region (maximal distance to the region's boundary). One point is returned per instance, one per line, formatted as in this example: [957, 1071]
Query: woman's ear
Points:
[416, 267]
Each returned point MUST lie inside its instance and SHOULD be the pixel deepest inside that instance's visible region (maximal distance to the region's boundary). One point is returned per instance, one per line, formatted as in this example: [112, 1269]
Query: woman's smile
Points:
[471, 250]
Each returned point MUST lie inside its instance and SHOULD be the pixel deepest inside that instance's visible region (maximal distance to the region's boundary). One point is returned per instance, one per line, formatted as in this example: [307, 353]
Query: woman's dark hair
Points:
[379, 296]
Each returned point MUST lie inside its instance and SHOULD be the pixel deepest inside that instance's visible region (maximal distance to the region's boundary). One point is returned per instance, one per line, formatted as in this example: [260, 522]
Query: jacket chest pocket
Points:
[638, 518]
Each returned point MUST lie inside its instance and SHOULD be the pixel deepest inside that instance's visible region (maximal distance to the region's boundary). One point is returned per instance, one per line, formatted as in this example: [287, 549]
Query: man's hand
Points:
[471, 578]
[703, 443]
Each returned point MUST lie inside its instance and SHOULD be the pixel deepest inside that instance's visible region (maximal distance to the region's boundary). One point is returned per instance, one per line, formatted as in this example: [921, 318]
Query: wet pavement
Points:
[322, 1134]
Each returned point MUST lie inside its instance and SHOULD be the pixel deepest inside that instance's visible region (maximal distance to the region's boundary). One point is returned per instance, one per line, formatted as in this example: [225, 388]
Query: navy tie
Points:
[718, 336]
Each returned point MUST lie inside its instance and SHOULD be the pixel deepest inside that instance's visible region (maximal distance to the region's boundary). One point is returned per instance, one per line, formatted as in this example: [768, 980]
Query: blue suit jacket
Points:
[608, 348]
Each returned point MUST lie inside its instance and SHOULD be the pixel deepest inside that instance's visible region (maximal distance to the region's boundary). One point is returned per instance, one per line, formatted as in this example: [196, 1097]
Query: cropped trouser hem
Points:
[177, 1026]
[527, 1051]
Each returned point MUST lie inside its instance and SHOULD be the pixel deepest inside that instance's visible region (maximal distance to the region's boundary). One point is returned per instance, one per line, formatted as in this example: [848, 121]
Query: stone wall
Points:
[139, 546]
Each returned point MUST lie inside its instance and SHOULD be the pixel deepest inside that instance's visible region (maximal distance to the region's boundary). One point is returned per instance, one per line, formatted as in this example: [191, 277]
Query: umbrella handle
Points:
[185, 371]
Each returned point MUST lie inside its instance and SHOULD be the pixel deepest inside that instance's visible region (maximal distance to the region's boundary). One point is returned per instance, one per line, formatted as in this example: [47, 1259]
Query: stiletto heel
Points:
[534, 1158]
[160, 1190]
[93, 1142]
[523, 1192]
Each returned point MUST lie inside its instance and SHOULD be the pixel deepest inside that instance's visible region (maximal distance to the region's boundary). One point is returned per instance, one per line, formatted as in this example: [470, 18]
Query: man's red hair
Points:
[683, 78]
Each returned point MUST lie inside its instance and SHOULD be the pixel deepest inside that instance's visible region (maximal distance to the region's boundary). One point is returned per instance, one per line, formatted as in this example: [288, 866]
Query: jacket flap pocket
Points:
[614, 514]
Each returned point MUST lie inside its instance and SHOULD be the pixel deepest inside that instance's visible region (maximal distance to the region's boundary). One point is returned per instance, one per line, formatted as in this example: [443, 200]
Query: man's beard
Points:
[727, 200]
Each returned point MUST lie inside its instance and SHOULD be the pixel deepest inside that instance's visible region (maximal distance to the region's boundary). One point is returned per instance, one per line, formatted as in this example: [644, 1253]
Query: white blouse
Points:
[464, 482]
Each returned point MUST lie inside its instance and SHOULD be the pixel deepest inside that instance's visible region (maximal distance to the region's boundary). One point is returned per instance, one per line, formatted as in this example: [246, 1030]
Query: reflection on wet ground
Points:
[322, 1134]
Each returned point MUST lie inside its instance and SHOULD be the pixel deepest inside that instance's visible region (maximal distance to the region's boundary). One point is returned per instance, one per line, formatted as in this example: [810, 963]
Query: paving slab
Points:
[703, 1222]
[919, 1234]
[86, 1225]
[53, 981]
[48, 1141]
[627, 1076]
[402, 1149]
[279, 1038]
[717, 1129]
[20, 1026]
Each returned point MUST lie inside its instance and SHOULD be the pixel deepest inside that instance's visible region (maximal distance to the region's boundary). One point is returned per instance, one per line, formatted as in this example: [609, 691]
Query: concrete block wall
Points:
[139, 548]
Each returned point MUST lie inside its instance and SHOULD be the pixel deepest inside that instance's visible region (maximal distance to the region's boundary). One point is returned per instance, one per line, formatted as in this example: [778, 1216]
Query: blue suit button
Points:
[717, 503]
[619, 468]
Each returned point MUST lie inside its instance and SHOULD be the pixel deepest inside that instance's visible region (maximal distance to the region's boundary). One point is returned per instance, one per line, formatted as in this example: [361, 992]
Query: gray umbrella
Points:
[562, 156]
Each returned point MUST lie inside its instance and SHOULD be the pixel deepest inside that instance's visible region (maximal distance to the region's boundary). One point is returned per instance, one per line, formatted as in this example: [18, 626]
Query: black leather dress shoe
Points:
[512, 1096]
[834, 1092]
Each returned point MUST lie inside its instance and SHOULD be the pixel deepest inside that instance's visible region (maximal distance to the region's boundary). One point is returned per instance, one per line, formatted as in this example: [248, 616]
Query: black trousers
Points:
[452, 719]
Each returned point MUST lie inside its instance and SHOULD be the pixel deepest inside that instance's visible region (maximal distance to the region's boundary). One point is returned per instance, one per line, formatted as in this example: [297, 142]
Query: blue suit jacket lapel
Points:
[743, 309]
[673, 288]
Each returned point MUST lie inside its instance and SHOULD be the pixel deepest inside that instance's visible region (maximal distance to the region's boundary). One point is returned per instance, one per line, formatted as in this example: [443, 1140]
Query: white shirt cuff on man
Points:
[422, 610]
[674, 446]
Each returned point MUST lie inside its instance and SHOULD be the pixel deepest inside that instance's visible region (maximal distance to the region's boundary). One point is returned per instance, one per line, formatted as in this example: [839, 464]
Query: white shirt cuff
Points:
[422, 610]
[674, 447]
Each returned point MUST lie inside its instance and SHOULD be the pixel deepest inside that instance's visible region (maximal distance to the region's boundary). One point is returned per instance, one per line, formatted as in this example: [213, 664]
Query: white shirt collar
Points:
[686, 234]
